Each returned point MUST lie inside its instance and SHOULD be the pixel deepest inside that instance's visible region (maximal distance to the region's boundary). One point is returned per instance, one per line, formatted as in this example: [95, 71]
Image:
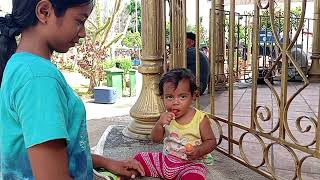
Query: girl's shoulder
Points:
[28, 65]
[199, 115]
[24, 67]
[32, 63]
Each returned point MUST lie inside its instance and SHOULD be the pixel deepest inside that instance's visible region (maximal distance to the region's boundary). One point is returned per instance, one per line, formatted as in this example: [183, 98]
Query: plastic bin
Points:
[105, 95]
[114, 78]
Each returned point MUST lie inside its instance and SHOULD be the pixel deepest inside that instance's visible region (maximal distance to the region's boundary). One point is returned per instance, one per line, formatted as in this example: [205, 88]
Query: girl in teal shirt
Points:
[43, 133]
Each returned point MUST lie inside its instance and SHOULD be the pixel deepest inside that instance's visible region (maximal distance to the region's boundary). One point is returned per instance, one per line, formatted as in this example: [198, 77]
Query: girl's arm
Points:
[158, 130]
[49, 160]
[127, 168]
[208, 141]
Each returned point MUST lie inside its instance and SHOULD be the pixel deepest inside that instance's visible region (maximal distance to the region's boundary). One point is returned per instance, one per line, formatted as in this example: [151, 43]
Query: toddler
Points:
[185, 131]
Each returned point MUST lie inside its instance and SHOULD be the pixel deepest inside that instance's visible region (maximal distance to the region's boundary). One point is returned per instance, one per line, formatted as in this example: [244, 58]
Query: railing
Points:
[266, 127]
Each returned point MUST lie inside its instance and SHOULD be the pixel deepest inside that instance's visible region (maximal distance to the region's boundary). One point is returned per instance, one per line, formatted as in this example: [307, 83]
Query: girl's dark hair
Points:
[23, 16]
[175, 76]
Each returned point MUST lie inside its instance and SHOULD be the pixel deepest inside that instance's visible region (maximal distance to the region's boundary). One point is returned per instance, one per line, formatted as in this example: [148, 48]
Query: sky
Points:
[5, 5]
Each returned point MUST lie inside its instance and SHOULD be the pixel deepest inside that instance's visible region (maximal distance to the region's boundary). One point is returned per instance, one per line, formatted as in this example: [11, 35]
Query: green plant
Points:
[108, 64]
[242, 31]
[265, 23]
[136, 13]
[69, 66]
[124, 63]
[295, 14]
[167, 32]
[132, 40]
[278, 21]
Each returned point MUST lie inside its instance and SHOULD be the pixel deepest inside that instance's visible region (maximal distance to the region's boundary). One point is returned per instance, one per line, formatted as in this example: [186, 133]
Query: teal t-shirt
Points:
[37, 105]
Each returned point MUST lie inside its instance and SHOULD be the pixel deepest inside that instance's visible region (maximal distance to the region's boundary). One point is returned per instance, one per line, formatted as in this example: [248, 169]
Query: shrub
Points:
[123, 63]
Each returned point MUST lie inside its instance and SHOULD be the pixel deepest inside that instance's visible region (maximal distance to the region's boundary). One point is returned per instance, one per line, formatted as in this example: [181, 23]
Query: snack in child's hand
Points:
[174, 111]
[188, 147]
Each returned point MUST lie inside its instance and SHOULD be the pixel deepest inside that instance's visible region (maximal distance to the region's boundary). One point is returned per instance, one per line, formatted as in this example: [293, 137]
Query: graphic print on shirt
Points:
[176, 146]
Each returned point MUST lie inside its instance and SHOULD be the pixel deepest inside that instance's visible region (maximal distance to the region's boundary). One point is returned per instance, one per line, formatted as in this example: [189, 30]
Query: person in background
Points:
[43, 131]
[191, 62]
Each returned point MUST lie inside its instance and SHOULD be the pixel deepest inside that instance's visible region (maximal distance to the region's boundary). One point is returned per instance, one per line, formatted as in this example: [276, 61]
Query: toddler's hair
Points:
[175, 76]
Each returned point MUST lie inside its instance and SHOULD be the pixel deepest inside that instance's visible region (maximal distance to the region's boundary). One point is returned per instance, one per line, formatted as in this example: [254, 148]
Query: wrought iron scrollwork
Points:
[244, 156]
[269, 164]
[261, 6]
[263, 118]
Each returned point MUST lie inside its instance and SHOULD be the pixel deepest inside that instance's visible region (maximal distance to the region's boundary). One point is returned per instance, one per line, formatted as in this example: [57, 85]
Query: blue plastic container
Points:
[104, 94]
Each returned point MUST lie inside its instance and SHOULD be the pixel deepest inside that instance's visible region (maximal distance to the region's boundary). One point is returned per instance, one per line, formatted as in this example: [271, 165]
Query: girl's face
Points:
[67, 29]
[178, 99]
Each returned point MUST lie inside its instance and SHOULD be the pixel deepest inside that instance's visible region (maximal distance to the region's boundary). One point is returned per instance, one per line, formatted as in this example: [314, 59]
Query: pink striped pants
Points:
[156, 164]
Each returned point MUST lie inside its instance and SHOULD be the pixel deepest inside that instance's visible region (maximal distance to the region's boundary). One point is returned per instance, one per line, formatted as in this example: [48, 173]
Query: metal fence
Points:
[272, 128]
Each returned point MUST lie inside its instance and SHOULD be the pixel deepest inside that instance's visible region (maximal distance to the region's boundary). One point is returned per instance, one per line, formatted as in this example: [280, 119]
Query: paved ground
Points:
[96, 127]
[100, 111]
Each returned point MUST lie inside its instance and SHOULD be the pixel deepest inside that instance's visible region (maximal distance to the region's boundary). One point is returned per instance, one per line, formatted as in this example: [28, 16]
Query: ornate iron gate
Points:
[265, 127]
[269, 129]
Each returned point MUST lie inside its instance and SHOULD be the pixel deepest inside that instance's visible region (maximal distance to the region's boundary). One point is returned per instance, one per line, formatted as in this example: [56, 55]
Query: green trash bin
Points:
[114, 78]
[132, 76]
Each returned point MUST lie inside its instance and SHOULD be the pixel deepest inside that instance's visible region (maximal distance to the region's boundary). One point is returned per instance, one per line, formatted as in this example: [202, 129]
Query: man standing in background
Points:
[191, 62]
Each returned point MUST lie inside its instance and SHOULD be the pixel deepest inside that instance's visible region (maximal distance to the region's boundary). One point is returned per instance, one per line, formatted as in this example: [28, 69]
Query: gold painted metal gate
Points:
[267, 132]
[272, 128]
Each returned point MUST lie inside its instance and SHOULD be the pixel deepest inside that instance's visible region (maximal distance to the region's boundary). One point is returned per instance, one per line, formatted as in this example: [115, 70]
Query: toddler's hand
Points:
[194, 154]
[166, 118]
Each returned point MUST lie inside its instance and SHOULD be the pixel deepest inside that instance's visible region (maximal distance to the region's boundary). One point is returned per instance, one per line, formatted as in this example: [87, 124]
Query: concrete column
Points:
[146, 111]
[314, 72]
[220, 48]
